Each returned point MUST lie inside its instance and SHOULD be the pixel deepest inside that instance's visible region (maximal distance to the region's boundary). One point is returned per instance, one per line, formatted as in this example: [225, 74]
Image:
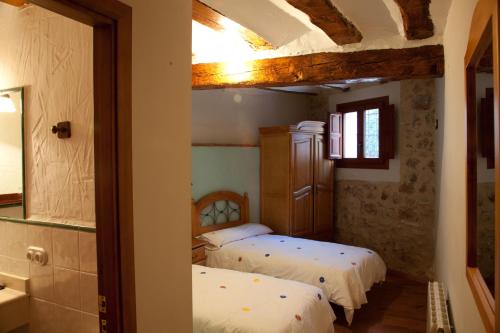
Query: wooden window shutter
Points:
[388, 132]
[335, 136]
[486, 129]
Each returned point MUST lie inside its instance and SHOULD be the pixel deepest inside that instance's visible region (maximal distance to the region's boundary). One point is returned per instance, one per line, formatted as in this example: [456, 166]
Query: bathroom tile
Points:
[88, 255]
[65, 248]
[41, 237]
[15, 240]
[4, 264]
[3, 240]
[90, 323]
[88, 292]
[19, 267]
[14, 266]
[67, 320]
[42, 282]
[41, 316]
[67, 287]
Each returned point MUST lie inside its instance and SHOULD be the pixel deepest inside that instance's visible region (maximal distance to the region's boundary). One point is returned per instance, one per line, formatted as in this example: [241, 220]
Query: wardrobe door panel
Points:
[323, 174]
[323, 188]
[302, 168]
[302, 212]
[302, 161]
[323, 219]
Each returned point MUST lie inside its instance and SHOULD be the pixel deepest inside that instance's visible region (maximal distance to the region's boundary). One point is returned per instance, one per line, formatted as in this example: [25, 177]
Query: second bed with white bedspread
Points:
[344, 273]
[226, 301]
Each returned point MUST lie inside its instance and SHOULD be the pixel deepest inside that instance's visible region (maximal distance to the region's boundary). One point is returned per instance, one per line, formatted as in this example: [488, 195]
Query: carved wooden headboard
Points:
[219, 210]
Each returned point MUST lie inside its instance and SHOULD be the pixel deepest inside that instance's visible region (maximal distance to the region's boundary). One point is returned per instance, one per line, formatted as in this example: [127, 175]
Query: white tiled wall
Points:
[64, 292]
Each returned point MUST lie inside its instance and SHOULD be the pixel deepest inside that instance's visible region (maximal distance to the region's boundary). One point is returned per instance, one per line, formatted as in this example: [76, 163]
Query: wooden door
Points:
[302, 174]
[323, 189]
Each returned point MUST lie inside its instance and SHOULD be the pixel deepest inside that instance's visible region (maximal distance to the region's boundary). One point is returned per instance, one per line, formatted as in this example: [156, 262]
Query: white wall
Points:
[233, 116]
[392, 90]
[161, 132]
[450, 172]
[234, 169]
[51, 56]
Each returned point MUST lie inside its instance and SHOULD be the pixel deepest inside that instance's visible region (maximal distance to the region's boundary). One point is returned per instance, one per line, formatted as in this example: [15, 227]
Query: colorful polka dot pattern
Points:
[321, 278]
[284, 297]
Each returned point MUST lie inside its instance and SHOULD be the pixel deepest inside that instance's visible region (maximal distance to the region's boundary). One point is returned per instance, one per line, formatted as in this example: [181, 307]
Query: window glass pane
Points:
[371, 144]
[350, 134]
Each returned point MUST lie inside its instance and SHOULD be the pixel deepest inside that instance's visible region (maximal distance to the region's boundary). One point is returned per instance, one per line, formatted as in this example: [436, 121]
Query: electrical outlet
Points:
[37, 255]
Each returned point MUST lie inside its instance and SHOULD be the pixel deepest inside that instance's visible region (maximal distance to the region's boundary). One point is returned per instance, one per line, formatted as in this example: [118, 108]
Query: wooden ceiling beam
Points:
[211, 18]
[17, 3]
[417, 20]
[328, 18]
[320, 68]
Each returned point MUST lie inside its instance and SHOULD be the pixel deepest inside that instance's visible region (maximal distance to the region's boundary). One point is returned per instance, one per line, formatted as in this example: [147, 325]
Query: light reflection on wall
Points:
[222, 46]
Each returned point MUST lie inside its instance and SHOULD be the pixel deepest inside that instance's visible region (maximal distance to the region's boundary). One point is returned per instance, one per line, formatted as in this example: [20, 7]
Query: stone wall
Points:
[397, 218]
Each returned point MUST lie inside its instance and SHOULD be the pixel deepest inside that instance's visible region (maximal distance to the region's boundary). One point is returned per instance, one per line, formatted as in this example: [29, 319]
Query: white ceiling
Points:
[291, 32]
[328, 89]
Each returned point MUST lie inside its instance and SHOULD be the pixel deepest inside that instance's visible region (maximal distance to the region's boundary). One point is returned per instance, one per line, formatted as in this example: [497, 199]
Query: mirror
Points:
[11, 153]
[482, 91]
[485, 169]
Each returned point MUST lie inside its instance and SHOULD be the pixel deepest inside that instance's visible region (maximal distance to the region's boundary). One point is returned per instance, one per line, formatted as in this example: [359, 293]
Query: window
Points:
[362, 134]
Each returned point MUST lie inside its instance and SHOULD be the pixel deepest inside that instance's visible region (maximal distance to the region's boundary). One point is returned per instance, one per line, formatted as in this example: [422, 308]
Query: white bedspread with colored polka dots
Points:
[231, 301]
[344, 273]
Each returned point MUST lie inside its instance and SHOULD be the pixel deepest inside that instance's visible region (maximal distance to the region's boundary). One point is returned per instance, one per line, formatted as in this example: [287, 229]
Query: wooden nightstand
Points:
[198, 251]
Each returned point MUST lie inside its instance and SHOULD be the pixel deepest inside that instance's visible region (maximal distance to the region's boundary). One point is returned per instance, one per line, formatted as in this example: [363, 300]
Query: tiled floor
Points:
[396, 306]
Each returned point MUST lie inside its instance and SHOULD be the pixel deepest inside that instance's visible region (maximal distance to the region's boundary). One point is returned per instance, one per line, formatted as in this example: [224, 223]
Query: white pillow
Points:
[225, 236]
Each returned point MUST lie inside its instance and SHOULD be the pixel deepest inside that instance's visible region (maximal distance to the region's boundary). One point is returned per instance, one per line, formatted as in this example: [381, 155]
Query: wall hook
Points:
[62, 129]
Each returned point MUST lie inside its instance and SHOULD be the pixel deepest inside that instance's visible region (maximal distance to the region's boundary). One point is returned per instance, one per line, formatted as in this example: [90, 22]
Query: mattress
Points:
[231, 301]
[344, 273]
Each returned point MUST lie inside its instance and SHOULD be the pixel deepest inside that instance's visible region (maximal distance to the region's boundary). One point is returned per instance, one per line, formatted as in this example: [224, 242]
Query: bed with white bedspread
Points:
[229, 301]
[344, 273]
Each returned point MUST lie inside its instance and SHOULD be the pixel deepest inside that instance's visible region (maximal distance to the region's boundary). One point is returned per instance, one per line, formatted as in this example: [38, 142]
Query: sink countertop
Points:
[14, 283]
[14, 303]
[8, 295]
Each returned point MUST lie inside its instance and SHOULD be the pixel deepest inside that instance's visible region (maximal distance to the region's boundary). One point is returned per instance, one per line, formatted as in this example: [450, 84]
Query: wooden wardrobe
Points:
[296, 181]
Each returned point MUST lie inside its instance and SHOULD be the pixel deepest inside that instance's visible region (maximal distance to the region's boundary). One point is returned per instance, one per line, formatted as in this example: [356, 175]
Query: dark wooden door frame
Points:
[112, 25]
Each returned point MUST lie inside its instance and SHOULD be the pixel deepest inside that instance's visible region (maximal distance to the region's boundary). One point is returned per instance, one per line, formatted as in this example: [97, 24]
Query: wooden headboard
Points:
[219, 210]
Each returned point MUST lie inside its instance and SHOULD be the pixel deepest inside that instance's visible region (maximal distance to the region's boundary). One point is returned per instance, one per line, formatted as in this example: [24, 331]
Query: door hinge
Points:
[102, 304]
[104, 326]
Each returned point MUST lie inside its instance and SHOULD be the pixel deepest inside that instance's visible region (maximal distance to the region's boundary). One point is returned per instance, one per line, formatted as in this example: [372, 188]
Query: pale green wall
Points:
[227, 168]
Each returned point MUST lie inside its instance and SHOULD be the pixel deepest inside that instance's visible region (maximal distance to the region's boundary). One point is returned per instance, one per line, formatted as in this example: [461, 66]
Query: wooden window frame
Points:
[361, 162]
[111, 21]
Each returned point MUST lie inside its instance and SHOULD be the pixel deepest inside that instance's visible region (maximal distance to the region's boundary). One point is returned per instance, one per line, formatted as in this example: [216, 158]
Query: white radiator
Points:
[437, 309]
